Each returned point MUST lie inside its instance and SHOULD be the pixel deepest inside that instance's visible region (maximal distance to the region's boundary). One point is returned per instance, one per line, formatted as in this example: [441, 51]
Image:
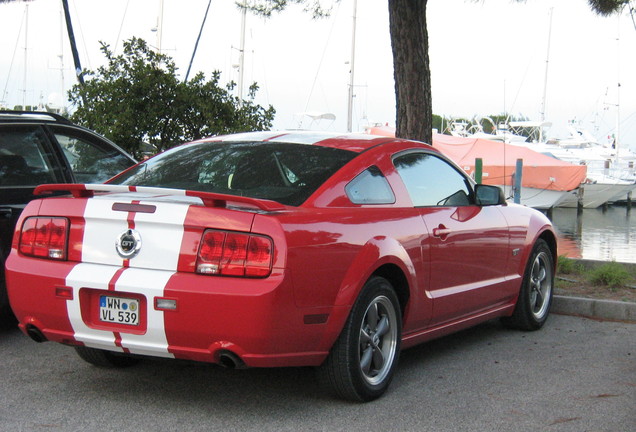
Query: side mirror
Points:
[488, 195]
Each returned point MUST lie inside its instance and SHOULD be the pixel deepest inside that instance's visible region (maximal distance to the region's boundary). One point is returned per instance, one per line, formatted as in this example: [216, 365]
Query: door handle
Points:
[5, 212]
[441, 231]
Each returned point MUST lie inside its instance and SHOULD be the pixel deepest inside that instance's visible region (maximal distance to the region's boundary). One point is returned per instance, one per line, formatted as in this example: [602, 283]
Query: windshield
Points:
[286, 173]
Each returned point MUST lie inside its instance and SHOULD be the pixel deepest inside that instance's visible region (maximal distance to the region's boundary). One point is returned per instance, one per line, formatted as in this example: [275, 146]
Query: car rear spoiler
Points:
[210, 199]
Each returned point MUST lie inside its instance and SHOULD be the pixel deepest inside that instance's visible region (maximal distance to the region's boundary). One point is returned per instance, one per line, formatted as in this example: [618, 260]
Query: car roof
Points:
[355, 142]
[47, 118]
[33, 116]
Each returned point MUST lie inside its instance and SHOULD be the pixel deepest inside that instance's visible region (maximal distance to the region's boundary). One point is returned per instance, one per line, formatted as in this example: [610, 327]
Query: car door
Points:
[468, 243]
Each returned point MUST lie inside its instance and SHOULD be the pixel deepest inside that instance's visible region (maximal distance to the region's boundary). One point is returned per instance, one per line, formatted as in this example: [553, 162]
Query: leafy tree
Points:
[137, 97]
[609, 7]
[439, 123]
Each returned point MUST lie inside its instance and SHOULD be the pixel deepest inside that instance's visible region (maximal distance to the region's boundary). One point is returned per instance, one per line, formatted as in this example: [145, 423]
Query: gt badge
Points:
[128, 244]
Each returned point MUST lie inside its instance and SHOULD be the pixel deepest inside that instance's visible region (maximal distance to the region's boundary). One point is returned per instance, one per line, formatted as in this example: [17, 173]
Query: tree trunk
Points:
[411, 69]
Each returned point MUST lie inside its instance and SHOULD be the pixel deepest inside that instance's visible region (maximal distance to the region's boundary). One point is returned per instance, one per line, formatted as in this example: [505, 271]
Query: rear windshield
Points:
[286, 173]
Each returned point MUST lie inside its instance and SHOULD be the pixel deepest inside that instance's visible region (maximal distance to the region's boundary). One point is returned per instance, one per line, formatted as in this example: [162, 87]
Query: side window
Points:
[370, 187]
[25, 158]
[432, 181]
[91, 162]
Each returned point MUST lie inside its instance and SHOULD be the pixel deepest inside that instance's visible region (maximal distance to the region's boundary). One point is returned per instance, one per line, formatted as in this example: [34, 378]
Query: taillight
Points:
[44, 237]
[235, 254]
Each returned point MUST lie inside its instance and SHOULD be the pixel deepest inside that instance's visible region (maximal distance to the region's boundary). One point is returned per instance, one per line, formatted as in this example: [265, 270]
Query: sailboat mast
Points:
[242, 54]
[618, 90]
[351, 73]
[71, 38]
[545, 79]
[26, 32]
[160, 27]
[62, 97]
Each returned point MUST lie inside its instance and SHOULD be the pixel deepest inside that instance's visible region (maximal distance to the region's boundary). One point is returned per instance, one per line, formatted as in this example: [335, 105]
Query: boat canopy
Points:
[499, 161]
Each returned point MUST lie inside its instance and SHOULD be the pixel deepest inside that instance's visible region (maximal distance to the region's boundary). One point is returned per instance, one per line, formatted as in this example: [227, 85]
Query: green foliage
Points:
[439, 123]
[136, 97]
[568, 266]
[611, 274]
[608, 7]
[267, 7]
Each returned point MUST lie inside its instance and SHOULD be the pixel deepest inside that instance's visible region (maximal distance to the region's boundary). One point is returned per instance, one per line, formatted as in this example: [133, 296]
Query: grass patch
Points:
[607, 281]
[611, 274]
[568, 266]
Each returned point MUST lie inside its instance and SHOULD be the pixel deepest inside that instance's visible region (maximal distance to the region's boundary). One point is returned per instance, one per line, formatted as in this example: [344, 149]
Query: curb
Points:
[594, 308]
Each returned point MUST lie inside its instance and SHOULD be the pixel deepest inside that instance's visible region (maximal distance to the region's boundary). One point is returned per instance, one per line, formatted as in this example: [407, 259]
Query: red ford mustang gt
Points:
[279, 249]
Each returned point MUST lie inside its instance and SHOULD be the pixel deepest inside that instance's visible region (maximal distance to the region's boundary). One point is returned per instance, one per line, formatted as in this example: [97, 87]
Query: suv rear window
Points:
[24, 157]
[286, 173]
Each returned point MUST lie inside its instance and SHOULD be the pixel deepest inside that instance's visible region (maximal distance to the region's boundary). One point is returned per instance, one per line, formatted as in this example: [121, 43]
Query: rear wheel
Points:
[361, 364]
[535, 297]
[7, 319]
[103, 358]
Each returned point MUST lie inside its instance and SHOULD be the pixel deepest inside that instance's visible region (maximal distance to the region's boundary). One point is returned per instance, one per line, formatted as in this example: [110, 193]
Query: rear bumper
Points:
[255, 319]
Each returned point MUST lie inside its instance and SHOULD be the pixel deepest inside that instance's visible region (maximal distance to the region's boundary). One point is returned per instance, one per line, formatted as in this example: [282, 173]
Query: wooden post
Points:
[479, 169]
[580, 193]
[517, 185]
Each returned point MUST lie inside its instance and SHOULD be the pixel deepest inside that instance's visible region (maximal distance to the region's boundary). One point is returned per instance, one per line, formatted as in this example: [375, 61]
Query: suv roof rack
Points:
[34, 115]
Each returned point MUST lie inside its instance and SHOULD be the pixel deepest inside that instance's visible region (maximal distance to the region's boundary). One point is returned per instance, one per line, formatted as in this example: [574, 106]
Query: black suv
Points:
[38, 148]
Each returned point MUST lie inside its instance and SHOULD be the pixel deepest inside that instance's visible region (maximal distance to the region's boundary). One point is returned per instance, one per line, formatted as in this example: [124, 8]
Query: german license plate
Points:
[119, 310]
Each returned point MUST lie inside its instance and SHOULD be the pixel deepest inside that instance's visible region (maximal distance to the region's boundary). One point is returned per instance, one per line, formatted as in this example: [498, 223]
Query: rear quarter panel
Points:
[332, 252]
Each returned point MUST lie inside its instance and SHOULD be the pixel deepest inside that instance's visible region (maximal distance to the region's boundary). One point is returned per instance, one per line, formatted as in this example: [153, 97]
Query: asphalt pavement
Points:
[575, 374]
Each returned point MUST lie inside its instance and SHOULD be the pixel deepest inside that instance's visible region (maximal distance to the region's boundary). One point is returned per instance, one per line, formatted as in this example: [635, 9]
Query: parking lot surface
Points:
[575, 374]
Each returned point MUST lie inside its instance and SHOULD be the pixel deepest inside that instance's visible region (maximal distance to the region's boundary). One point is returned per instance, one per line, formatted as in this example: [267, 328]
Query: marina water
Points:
[604, 234]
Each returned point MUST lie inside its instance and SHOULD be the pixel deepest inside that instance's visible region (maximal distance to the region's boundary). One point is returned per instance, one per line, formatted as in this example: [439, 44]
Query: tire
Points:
[7, 319]
[103, 358]
[535, 296]
[361, 363]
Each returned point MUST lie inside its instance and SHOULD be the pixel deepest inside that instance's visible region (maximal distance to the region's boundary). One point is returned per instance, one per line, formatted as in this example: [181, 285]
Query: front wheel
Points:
[535, 297]
[362, 361]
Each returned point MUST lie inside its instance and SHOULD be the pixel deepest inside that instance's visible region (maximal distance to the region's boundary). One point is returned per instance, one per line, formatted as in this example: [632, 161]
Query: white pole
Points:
[352, 64]
[26, 33]
[160, 26]
[62, 96]
[242, 54]
[545, 80]
[618, 89]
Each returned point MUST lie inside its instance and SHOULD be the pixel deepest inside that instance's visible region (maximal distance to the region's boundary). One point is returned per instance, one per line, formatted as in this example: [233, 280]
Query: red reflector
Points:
[315, 319]
[234, 254]
[44, 237]
[64, 292]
